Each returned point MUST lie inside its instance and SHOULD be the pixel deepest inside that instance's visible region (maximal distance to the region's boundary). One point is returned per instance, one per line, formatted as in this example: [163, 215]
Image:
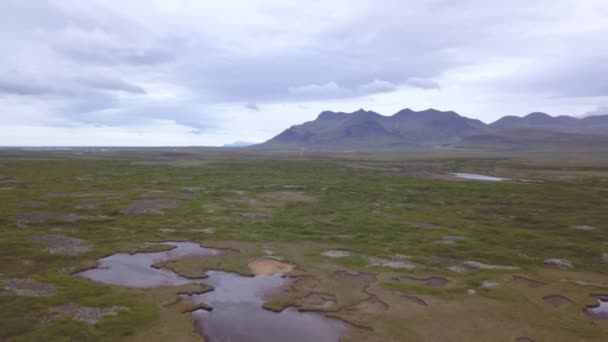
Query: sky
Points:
[179, 72]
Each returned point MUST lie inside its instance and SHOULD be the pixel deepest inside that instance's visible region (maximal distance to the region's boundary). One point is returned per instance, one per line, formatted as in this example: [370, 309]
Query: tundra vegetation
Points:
[393, 244]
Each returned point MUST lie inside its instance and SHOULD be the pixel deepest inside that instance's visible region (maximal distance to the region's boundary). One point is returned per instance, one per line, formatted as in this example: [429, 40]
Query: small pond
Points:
[474, 176]
[599, 311]
[237, 300]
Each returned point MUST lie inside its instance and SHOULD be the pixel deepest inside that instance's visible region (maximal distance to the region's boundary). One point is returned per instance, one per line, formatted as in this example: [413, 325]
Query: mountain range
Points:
[431, 127]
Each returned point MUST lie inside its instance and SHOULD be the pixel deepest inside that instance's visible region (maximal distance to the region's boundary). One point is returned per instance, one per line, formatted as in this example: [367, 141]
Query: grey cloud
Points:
[377, 86]
[13, 87]
[252, 106]
[111, 84]
[422, 83]
[123, 63]
[111, 56]
[13, 83]
[316, 91]
[566, 77]
[332, 89]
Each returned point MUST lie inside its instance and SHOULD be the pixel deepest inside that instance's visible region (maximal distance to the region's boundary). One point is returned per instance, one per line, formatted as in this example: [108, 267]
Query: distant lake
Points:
[475, 176]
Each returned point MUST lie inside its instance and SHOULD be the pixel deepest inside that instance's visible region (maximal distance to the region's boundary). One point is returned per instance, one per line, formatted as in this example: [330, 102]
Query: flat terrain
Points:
[391, 243]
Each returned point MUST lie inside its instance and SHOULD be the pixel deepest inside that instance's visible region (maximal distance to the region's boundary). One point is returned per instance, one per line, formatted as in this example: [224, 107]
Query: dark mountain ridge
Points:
[431, 127]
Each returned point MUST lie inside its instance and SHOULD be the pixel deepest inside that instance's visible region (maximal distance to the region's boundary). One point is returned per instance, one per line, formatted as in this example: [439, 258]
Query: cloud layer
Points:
[210, 74]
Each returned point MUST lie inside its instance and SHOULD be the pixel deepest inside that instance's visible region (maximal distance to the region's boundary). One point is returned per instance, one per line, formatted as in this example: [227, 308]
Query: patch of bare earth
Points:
[528, 282]
[557, 301]
[29, 287]
[396, 261]
[86, 314]
[428, 281]
[265, 266]
[371, 305]
[482, 266]
[414, 299]
[367, 278]
[336, 253]
[62, 244]
[319, 300]
[307, 282]
[32, 218]
[152, 206]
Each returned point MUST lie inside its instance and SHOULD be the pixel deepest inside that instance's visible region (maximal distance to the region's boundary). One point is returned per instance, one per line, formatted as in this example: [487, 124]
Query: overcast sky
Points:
[177, 72]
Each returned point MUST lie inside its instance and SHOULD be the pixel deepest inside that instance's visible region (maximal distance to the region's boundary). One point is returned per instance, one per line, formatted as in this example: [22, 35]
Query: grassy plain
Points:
[391, 206]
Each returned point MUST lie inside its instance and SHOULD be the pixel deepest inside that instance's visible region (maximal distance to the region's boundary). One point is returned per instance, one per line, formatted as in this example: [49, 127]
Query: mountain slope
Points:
[370, 129]
[431, 127]
[567, 124]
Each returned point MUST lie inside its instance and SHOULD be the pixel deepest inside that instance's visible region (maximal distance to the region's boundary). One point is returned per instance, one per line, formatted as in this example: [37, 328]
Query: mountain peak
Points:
[429, 127]
[327, 115]
[538, 115]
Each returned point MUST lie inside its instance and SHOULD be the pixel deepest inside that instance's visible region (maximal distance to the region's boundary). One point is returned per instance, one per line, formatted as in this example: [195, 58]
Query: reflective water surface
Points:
[475, 176]
[237, 300]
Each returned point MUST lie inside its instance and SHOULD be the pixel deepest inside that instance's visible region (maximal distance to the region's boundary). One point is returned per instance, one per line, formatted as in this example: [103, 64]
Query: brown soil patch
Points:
[155, 206]
[557, 301]
[180, 304]
[29, 287]
[307, 282]
[45, 217]
[528, 282]
[265, 266]
[429, 281]
[414, 299]
[86, 314]
[62, 244]
[365, 277]
[184, 304]
[319, 300]
[371, 305]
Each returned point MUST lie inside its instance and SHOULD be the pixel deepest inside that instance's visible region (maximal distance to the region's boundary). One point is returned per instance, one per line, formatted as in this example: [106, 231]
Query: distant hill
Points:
[431, 127]
[370, 129]
[567, 124]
